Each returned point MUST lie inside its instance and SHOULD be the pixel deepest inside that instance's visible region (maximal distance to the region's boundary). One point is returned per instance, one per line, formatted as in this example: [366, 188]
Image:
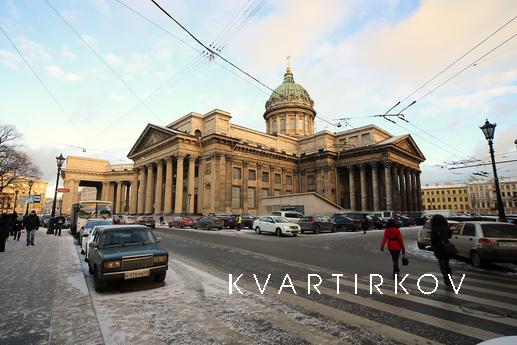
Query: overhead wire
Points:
[102, 60]
[43, 83]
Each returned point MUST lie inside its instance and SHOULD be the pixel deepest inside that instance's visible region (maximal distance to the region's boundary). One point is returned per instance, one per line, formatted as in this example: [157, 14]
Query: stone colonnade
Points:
[382, 186]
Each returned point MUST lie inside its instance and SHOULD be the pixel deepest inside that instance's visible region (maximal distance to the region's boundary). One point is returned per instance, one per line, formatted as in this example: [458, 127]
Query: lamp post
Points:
[31, 182]
[15, 199]
[488, 130]
[188, 208]
[59, 160]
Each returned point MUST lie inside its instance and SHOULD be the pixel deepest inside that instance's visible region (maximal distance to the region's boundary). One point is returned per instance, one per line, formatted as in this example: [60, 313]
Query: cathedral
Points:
[203, 163]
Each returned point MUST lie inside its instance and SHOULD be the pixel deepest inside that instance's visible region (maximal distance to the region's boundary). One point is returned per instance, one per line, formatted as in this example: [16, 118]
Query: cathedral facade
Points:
[204, 163]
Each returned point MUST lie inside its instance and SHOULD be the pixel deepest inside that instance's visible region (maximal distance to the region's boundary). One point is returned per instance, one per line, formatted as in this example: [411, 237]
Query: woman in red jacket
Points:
[393, 236]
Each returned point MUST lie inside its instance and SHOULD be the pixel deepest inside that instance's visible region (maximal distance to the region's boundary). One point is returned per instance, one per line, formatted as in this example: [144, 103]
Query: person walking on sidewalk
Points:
[18, 226]
[393, 236]
[5, 228]
[440, 234]
[238, 223]
[31, 225]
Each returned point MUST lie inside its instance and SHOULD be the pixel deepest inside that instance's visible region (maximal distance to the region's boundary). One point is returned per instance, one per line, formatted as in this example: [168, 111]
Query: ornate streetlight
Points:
[31, 182]
[488, 130]
[59, 160]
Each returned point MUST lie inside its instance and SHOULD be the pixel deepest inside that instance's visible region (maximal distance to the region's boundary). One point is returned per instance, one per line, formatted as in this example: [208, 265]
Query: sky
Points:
[355, 58]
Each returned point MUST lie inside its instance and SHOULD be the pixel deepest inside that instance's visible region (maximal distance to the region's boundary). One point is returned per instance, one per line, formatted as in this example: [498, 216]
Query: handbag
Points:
[405, 260]
[450, 249]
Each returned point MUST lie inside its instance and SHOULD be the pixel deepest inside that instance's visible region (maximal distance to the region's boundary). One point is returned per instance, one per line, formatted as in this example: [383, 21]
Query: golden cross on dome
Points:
[288, 63]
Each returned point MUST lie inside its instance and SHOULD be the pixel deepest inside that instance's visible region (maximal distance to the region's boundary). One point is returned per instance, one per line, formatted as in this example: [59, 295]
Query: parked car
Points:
[291, 216]
[484, 242]
[128, 220]
[341, 222]
[360, 217]
[147, 221]
[315, 224]
[247, 221]
[126, 252]
[208, 222]
[424, 234]
[117, 219]
[275, 225]
[85, 231]
[181, 222]
[44, 220]
[222, 216]
[86, 241]
[378, 222]
[66, 225]
[405, 221]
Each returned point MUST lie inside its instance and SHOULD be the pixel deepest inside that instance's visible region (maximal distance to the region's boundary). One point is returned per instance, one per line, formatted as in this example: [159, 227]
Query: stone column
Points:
[409, 190]
[364, 191]
[191, 183]
[169, 176]
[111, 194]
[213, 181]
[413, 190]
[149, 205]
[178, 202]
[244, 186]
[133, 198]
[389, 192]
[118, 198]
[351, 180]
[158, 192]
[201, 186]
[141, 190]
[375, 189]
[419, 191]
[272, 180]
[104, 193]
[228, 181]
[402, 187]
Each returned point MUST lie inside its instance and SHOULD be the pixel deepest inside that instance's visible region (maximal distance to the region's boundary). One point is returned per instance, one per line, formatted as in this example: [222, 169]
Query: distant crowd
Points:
[12, 225]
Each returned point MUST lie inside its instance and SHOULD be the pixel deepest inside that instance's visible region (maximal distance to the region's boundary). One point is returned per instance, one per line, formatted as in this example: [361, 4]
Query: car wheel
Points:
[220, 228]
[421, 245]
[99, 284]
[301, 231]
[317, 230]
[257, 230]
[159, 278]
[90, 269]
[333, 228]
[170, 226]
[278, 232]
[294, 235]
[476, 259]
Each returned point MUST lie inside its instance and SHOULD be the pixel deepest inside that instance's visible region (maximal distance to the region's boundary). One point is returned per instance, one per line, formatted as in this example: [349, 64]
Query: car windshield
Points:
[499, 230]
[280, 220]
[93, 223]
[125, 237]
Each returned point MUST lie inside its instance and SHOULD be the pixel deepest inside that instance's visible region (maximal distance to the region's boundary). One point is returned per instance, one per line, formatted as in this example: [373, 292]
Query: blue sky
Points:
[354, 57]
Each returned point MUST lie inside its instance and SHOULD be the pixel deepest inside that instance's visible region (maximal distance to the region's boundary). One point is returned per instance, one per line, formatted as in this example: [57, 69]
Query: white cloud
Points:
[102, 6]
[58, 73]
[69, 54]
[89, 39]
[119, 98]
[9, 59]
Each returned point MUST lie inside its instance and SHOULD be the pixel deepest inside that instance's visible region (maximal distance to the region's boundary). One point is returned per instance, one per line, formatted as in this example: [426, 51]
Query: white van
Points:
[292, 216]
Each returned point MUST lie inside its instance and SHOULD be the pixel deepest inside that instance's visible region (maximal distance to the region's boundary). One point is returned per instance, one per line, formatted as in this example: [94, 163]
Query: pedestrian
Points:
[18, 226]
[31, 225]
[12, 219]
[58, 225]
[366, 223]
[5, 228]
[238, 223]
[440, 234]
[161, 220]
[393, 236]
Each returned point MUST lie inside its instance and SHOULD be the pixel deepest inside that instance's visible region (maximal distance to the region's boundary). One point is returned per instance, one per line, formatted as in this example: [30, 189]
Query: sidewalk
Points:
[44, 298]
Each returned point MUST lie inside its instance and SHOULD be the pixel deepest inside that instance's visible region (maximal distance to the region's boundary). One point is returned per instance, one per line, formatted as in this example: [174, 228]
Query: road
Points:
[193, 305]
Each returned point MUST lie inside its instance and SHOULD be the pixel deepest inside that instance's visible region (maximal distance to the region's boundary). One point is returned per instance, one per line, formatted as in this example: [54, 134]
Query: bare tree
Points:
[14, 163]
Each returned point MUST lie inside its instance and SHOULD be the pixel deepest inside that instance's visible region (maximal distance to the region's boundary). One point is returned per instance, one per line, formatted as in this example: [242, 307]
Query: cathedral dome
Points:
[289, 93]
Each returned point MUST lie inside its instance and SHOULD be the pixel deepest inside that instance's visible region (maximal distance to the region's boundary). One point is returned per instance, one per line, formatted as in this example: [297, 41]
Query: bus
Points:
[89, 209]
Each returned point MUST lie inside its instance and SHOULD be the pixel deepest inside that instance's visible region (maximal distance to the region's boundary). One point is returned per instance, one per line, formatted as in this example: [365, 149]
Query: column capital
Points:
[228, 157]
[362, 166]
[387, 163]
[180, 155]
[350, 166]
[373, 165]
[245, 163]
[217, 156]
[192, 157]
[158, 162]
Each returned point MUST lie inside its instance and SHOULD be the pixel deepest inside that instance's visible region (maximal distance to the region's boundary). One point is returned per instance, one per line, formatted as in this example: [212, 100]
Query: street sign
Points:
[63, 190]
[35, 199]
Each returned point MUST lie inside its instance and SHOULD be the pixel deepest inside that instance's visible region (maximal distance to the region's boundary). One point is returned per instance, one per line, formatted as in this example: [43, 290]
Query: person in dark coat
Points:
[440, 234]
[31, 225]
[395, 242]
[5, 228]
[18, 227]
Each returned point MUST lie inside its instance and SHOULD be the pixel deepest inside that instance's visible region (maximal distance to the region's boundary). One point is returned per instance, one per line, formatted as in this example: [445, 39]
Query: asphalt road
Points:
[194, 306]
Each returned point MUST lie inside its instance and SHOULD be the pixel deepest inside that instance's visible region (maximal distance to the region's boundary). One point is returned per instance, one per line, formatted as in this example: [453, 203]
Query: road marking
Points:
[353, 320]
[500, 279]
[510, 285]
[406, 313]
[426, 301]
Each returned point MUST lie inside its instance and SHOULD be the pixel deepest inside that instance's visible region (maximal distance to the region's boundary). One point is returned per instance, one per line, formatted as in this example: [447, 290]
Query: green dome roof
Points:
[289, 93]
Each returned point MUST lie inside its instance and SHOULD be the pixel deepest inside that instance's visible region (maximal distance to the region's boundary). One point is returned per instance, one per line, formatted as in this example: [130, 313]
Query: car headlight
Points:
[111, 264]
[159, 259]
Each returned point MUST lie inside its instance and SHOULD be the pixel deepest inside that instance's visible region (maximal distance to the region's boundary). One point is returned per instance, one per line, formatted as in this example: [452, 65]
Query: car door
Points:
[466, 239]
[269, 224]
[456, 237]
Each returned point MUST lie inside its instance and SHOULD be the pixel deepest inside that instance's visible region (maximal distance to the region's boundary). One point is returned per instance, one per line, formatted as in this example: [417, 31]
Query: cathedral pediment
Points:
[406, 143]
[151, 136]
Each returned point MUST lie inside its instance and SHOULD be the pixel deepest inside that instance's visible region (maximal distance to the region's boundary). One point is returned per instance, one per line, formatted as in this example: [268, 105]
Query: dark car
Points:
[126, 252]
[343, 223]
[209, 222]
[44, 220]
[181, 222]
[222, 216]
[378, 222]
[361, 218]
[247, 221]
[315, 224]
[405, 221]
[147, 221]
[90, 224]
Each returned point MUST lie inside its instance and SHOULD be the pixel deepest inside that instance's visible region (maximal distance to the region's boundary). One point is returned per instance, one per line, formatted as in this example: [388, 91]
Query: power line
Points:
[458, 59]
[483, 164]
[42, 82]
[102, 59]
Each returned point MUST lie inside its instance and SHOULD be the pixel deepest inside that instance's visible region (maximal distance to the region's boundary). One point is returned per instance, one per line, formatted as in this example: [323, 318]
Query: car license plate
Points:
[508, 243]
[136, 274]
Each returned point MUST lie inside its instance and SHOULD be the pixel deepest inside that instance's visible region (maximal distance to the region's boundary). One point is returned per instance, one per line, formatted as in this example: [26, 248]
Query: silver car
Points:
[424, 234]
[484, 242]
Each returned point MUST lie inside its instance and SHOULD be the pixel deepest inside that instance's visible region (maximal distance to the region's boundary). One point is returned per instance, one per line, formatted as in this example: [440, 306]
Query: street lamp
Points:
[189, 196]
[31, 182]
[488, 130]
[15, 199]
[59, 160]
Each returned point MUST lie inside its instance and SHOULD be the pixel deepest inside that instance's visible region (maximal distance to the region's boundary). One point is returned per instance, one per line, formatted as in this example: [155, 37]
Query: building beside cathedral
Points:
[203, 163]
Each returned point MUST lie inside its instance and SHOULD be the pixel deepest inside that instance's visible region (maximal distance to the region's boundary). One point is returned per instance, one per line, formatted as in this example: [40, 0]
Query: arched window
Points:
[197, 133]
